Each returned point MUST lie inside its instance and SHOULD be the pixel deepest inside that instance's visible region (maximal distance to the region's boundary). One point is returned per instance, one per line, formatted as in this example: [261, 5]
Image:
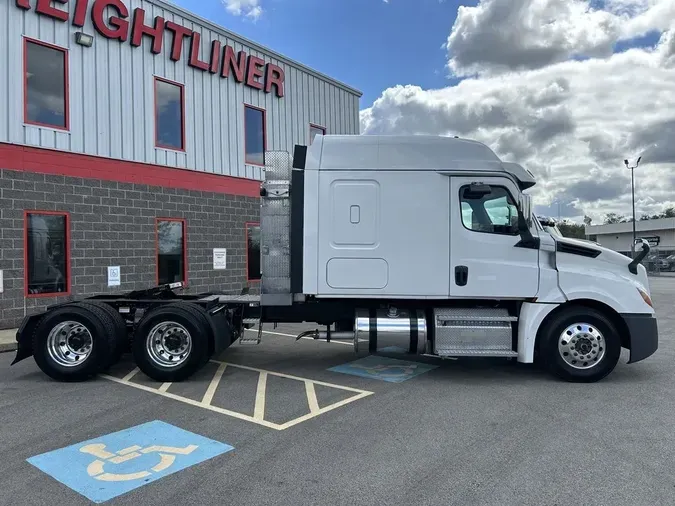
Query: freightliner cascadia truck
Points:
[420, 242]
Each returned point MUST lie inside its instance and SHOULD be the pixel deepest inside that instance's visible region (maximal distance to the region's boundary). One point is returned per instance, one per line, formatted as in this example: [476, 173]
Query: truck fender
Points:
[24, 337]
[532, 314]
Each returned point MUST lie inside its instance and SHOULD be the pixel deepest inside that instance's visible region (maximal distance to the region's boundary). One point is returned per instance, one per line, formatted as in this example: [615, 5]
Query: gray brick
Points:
[114, 224]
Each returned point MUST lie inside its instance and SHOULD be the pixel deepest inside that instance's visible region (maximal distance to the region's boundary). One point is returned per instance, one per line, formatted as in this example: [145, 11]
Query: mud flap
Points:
[24, 337]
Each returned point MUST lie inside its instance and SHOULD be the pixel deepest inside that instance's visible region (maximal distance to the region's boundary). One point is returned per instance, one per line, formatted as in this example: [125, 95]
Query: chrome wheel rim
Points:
[69, 343]
[168, 344]
[582, 346]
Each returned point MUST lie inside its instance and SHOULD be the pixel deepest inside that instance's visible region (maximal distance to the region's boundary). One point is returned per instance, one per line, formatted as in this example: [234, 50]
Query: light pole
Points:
[632, 191]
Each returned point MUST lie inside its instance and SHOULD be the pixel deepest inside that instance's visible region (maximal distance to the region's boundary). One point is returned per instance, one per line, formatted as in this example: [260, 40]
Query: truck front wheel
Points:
[580, 345]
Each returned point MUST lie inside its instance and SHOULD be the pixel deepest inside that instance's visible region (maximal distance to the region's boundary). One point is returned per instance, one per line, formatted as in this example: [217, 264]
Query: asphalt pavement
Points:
[282, 428]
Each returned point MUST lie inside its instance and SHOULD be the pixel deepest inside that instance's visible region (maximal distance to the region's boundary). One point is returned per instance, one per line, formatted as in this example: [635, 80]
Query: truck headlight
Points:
[646, 298]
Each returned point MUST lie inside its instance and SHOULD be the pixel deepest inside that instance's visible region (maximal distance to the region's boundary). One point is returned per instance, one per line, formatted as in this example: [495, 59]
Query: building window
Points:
[494, 212]
[46, 85]
[255, 133]
[253, 252]
[315, 130]
[46, 253]
[171, 251]
[169, 115]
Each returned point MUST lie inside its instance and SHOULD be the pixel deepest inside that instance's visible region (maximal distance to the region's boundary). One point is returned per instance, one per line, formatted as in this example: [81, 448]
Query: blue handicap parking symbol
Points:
[384, 368]
[106, 467]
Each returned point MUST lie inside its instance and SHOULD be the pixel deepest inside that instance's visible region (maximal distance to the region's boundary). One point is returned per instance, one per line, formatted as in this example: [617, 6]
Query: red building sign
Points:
[125, 26]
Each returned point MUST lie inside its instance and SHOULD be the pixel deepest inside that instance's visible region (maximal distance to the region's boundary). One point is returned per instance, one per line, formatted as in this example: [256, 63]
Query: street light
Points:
[632, 191]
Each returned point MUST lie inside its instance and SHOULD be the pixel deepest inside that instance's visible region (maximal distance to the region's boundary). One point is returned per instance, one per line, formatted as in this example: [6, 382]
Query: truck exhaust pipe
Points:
[381, 329]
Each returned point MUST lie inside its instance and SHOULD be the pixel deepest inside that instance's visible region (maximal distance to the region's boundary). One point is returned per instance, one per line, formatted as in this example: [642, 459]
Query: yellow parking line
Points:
[259, 408]
[210, 392]
[192, 402]
[131, 374]
[321, 411]
[289, 376]
[311, 397]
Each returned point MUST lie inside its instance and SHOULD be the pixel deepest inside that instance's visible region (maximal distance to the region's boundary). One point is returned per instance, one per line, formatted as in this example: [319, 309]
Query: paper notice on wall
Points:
[114, 276]
[219, 258]
[2, 282]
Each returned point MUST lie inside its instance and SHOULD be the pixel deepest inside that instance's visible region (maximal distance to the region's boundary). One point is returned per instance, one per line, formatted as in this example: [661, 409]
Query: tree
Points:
[614, 218]
[588, 220]
[571, 229]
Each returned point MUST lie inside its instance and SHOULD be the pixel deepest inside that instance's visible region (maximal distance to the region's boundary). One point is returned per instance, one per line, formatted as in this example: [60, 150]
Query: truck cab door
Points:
[486, 260]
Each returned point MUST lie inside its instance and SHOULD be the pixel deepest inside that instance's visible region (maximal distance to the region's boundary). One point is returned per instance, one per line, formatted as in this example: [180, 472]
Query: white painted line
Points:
[259, 410]
[208, 396]
[131, 374]
[164, 387]
[309, 338]
[311, 397]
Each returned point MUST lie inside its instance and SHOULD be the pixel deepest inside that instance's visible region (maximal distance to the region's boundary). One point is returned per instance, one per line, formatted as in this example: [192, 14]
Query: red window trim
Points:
[185, 249]
[246, 225]
[313, 125]
[25, 254]
[264, 112]
[182, 113]
[66, 72]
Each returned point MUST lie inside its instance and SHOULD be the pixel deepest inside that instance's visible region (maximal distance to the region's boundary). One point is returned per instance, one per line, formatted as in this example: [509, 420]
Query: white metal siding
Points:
[112, 111]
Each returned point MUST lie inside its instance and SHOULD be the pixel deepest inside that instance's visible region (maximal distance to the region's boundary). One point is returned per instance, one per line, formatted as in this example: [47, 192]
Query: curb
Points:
[7, 347]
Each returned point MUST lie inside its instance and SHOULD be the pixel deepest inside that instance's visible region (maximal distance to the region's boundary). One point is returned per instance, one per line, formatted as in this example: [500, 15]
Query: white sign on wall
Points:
[114, 276]
[219, 258]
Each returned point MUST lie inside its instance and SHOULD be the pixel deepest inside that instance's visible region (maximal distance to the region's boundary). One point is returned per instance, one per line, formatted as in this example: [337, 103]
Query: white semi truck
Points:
[425, 243]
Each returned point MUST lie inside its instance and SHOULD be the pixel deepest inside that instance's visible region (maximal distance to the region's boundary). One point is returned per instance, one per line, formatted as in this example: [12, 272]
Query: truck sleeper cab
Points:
[425, 243]
[430, 243]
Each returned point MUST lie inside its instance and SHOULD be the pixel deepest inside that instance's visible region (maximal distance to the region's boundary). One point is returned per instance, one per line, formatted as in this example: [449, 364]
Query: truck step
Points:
[476, 352]
[478, 332]
[245, 337]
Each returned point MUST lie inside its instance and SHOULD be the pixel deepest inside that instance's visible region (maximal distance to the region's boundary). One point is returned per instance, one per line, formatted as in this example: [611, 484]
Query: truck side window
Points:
[494, 213]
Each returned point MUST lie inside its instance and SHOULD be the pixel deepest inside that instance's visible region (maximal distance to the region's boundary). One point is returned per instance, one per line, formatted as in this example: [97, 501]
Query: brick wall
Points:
[113, 223]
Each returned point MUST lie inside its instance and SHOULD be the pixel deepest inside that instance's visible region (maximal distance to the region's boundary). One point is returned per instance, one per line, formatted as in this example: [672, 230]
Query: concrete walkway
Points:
[8, 340]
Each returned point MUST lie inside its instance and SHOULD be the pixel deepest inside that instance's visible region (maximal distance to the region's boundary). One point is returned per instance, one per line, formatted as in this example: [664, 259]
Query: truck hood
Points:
[573, 253]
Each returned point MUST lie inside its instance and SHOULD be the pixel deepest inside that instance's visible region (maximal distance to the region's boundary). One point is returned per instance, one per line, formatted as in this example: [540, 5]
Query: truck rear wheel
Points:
[120, 340]
[580, 345]
[172, 342]
[74, 342]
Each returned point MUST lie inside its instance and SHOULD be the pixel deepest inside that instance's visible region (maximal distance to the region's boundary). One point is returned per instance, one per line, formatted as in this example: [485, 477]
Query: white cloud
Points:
[248, 8]
[571, 121]
[502, 35]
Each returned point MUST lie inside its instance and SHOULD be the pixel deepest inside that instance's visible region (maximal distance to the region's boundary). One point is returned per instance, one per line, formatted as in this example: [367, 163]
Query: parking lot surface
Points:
[311, 423]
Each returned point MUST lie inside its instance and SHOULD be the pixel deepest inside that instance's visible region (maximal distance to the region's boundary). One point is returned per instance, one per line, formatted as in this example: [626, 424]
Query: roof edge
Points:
[164, 4]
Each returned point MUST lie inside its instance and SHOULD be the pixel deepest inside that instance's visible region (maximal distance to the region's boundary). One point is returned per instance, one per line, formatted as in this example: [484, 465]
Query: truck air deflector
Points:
[576, 249]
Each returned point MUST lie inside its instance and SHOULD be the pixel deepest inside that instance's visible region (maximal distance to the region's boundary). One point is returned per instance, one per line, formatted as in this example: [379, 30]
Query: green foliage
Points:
[570, 229]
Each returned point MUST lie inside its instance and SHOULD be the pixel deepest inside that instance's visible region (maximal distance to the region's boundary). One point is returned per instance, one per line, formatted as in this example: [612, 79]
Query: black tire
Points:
[195, 320]
[96, 322]
[600, 326]
[121, 333]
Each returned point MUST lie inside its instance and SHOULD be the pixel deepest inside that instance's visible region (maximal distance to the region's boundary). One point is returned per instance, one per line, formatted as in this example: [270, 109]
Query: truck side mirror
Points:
[525, 204]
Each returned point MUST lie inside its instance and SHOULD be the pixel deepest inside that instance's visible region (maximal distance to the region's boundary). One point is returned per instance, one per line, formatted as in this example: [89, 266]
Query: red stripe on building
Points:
[47, 161]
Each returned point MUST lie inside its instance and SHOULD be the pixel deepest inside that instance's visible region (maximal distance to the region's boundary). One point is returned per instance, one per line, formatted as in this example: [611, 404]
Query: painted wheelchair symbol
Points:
[167, 456]
[388, 370]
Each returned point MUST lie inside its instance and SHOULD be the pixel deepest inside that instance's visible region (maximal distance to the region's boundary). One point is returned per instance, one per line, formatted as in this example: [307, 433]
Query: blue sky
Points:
[369, 44]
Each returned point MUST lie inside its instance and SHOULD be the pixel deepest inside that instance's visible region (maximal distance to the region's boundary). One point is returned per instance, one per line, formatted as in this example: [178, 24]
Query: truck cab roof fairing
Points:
[410, 153]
